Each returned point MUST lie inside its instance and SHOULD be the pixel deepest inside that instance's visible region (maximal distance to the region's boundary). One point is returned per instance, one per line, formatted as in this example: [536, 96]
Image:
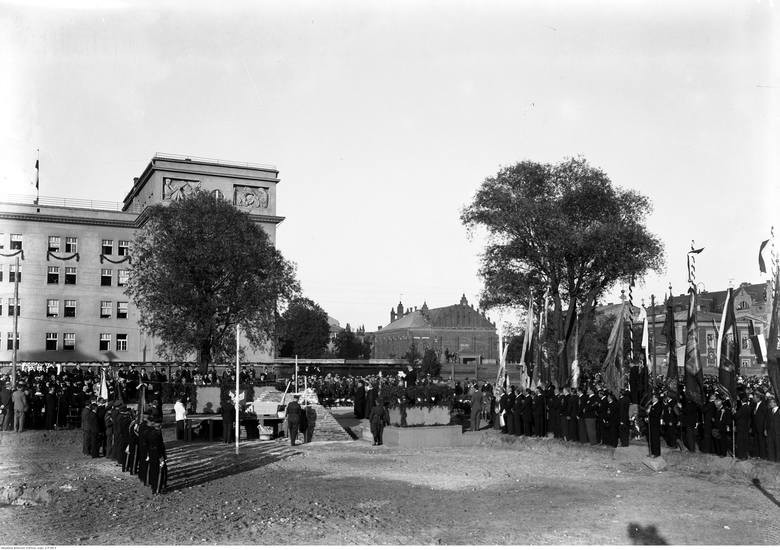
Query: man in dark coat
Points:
[155, 451]
[509, 414]
[476, 407]
[528, 413]
[91, 420]
[50, 403]
[563, 413]
[379, 418]
[669, 421]
[610, 421]
[654, 412]
[228, 418]
[293, 415]
[7, 404]
[539, 409]
[690, 423]
[141, 454]
[582, 405]
[708, 424]
[571, 416]
[742, 420]
[722, 429]
[360, 401]
[773, 430]
[760, 413]
[85, 434]
[101, 425]
[624, 421]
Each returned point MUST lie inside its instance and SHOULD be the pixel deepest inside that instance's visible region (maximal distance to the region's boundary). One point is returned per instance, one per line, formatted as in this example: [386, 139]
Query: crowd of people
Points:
[55, 396]
[111, 430]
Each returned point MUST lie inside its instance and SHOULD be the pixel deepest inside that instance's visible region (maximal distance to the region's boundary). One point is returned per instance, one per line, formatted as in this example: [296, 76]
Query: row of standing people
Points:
[113, 431]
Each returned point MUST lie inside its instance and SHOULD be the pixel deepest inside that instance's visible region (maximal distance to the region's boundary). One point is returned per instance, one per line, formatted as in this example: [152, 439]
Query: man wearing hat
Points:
[759, 414]
[293, 415]
[19, 400]
[156, 469]
[708, 424]
[773, 430]
[654, 412]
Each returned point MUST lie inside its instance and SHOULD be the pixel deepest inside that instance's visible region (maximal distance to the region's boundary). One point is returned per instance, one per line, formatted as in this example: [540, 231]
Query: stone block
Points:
[656, 464]
[423, 436]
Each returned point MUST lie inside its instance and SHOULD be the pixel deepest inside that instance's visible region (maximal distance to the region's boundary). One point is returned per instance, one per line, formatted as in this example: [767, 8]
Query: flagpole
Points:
[238, 429]
[37, 175]
[16, 322]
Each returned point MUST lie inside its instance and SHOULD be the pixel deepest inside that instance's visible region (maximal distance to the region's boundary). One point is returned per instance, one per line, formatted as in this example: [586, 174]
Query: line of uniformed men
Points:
[137, 447]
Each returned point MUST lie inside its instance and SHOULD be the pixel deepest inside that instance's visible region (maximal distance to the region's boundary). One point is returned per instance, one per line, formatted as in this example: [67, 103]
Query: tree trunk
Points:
[204, 356]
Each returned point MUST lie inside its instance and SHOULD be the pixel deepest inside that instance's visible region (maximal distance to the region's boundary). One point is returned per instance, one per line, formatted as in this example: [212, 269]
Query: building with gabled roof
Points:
[458, 332]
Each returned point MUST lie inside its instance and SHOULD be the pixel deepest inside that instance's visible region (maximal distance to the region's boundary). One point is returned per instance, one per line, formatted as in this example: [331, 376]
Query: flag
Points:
[37, 174]
[694, 378]
[728, 347]
[761, 263]
[645, 335]
[671, 342]
[575, 365]
[755, 341]
[103, 385]
[773, 370]
[529, 330]
[613, 364]
[772, 338]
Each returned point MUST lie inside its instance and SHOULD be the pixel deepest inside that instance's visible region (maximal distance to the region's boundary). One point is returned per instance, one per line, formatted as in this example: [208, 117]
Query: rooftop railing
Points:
[66, 202]
[185, 158]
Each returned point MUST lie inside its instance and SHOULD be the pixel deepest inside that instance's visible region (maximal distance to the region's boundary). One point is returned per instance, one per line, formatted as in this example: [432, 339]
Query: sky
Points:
[384, 118]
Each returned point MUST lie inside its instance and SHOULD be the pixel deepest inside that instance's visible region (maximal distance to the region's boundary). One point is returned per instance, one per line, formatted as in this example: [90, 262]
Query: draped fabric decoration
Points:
[50, 255]
[613, 364]
[525, 353]
[109, 260]
[13, 253]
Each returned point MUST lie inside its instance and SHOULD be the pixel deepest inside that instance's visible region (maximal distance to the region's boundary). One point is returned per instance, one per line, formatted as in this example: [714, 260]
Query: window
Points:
[70, 275]
[123, 248]
[105, 277]
[54, 243]
[52, 308]
[70, 308]
[105, 341]
[1, 307]
[71, 245]
[107, 247]
[53, 277]
[11, 304]
[121, 342]
[69, 341]
[14, 275]
[9, 341]
[1, 275]
[121, 310]
[51, 341]
[121, 277]
[2, 241]
[105, 309]
[16, 241]
[742, 305]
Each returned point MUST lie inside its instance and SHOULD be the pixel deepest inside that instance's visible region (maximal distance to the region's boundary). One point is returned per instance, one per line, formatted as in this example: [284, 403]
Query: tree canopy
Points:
[349, 346]
[562, 229]
[303, 330]
[200, 266]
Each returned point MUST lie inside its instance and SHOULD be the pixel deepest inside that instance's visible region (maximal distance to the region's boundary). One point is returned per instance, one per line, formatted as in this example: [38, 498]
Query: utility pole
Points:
[16, 323]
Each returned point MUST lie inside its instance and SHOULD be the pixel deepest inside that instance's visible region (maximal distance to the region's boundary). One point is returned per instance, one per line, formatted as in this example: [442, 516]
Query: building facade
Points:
[752, 304]
[74, 258]
[457, 333]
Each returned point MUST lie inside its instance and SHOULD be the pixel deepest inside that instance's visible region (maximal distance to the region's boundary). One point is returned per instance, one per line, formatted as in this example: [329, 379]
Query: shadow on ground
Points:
[645, 535]
[195, 464]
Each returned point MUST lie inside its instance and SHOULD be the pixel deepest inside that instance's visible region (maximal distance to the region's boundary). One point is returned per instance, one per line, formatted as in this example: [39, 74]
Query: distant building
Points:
[752, 303]
[74, 258]
[459, 332]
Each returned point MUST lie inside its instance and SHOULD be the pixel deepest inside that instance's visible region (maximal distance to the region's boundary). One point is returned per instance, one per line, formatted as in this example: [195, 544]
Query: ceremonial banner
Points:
[613, 364]
[773, 369]
[728, 347]
[671, 342]
[103, 385]
[694, 378]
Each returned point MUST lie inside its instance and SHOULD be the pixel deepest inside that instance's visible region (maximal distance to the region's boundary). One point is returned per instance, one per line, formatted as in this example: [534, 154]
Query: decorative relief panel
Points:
[245, 196]
[175, 189]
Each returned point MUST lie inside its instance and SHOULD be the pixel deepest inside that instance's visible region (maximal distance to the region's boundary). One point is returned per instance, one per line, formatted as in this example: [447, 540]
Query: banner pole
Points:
[238, 430]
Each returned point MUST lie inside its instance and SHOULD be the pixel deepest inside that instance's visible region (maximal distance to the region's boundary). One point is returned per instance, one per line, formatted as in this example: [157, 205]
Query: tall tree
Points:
[200, 266]
[349, 346]
[303, 330]
[565, 229]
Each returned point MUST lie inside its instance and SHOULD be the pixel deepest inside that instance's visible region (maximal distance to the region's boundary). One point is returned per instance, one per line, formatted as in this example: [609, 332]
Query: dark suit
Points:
[654, 428]
[228, 418]
[758, 422]
[624, 428]
[742, 431]
[723, 426]
[538, 408]
[293, 420]
[690, 420]
[773, 435]
[708, 423]
[155, 449]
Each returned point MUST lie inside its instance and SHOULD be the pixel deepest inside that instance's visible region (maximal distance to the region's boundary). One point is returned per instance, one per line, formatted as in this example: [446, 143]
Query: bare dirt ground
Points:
[495, 490]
